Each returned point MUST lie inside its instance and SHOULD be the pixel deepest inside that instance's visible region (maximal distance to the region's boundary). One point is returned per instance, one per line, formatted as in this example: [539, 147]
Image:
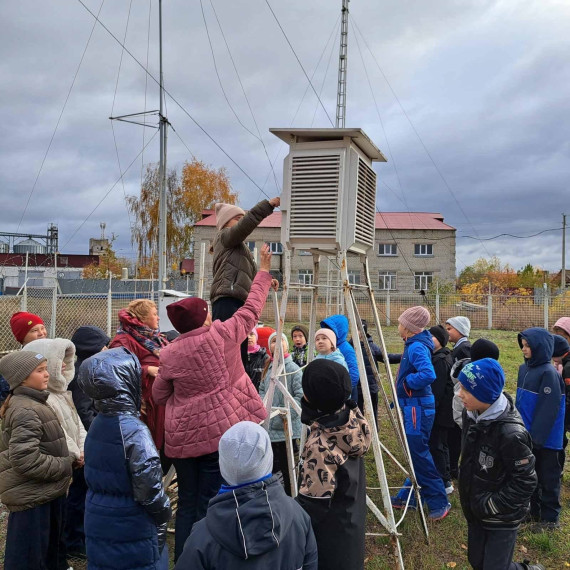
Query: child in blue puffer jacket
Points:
[416, 400]
[339, 325]
[541, 403]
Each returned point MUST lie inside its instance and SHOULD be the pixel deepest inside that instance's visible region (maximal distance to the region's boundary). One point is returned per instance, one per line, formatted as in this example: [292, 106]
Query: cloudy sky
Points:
[470, 102]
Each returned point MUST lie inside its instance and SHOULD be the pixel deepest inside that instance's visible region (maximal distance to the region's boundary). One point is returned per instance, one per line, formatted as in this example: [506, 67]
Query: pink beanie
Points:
[329, 334]
[415, 319]
[563, 323]
[225, 212]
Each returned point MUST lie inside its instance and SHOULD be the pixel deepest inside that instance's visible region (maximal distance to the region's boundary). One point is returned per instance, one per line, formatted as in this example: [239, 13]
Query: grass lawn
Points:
[447, 546]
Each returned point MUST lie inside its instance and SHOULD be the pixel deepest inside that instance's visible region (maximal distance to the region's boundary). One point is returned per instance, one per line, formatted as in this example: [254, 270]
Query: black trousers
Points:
[280, 463]
[35, 538]
[454, 445]
[439, 449]
[545, 501]
[225, 308]
[75, 513]
[374, 398]
[491, 549]
[199, 480]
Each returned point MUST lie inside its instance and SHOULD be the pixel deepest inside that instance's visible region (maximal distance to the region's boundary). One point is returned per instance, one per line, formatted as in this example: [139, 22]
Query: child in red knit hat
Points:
[27, 327]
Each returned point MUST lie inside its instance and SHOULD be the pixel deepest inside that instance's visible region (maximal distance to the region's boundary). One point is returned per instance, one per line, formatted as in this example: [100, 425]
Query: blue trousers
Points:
[419, 414]
[199, 479]
[34, 539]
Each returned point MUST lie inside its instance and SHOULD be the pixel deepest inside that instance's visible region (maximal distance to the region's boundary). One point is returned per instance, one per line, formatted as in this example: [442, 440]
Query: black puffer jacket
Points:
[255, 527]
[496, 475]
[88, 341]
[254, 366]
[461, 351]
[442, 387]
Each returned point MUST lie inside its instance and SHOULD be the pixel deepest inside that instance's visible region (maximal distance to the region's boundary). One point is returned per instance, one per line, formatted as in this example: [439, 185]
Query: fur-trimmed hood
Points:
[58, 351]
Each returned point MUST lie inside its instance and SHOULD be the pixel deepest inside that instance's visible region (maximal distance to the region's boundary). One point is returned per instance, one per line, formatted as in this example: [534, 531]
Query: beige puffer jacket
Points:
[234, 267]
[59, 352]
[35, 466]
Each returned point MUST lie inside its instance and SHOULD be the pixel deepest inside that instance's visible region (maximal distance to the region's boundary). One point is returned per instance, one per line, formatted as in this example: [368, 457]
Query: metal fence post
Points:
[489, 312]
[388, 308]
[53, 311]
[437, 304]
[545, 306]
[109, 306]
[300, 306]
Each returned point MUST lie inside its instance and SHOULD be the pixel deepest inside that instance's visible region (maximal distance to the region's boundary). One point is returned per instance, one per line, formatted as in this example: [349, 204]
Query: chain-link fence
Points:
[63, 313]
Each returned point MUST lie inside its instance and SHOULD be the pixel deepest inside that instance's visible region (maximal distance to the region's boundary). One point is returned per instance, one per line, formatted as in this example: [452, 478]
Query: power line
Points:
[444, 180]
[258, 136]
[109, 191]
[178, 104]
[59, 118]
[511, 235]
[298, 61]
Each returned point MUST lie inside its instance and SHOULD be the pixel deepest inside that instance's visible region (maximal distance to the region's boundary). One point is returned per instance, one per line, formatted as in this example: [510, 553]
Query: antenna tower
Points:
[342, 61]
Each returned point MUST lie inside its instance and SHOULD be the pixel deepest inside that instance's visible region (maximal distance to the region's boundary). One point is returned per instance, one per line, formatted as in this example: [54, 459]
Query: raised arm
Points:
[231, 237]
[245, 318]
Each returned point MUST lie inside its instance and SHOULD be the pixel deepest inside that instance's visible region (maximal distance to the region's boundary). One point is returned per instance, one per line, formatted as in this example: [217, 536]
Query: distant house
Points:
[41, 269]
[411, 250]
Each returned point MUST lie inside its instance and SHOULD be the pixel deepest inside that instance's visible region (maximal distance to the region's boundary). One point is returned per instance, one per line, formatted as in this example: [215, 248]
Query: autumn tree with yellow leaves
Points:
[199, 187]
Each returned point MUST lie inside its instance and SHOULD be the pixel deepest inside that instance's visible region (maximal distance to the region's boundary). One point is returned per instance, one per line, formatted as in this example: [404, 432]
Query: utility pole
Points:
[342, 61]
[162, 204]
[563, 272]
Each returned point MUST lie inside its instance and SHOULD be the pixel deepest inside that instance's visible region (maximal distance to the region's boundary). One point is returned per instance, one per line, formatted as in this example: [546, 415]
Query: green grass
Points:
[448, 538]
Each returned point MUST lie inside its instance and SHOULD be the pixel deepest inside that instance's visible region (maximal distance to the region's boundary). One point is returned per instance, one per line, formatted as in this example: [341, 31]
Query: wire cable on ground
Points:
[59, 118]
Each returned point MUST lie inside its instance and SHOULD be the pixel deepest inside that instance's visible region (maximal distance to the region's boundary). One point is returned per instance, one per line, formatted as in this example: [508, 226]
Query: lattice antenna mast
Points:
[342, 61]
[162, 204]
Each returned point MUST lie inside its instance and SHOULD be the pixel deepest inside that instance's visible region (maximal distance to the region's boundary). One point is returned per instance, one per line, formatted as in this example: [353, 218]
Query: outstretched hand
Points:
[265, 258]
[275, 202]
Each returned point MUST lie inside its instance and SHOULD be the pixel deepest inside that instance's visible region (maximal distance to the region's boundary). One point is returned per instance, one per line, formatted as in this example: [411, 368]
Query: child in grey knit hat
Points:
[35, 467]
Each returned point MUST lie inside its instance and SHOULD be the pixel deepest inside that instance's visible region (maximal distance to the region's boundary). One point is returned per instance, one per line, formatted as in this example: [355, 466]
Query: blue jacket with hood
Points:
[126, 509]
[540, 391]
[416, 372]
[339, 325]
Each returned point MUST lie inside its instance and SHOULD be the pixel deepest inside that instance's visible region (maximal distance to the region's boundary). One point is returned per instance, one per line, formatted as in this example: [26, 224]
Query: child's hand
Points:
[275, 202]
[152, 370]
[265, 258]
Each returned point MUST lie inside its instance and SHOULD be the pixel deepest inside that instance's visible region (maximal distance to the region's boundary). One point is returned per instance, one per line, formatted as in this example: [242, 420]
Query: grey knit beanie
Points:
[460, 324]
[245, 454]
[17, 366]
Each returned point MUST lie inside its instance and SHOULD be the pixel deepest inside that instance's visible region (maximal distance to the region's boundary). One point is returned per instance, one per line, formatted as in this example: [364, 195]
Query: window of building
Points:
[354, 277]
[306, 276]
[423, 249]
[387, 249]
[422, 280]
[250, 245]
[276, 247]
[387, 280]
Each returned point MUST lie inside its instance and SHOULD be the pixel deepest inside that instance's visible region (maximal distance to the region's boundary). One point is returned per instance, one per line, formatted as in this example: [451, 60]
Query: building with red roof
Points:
[411, 251]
